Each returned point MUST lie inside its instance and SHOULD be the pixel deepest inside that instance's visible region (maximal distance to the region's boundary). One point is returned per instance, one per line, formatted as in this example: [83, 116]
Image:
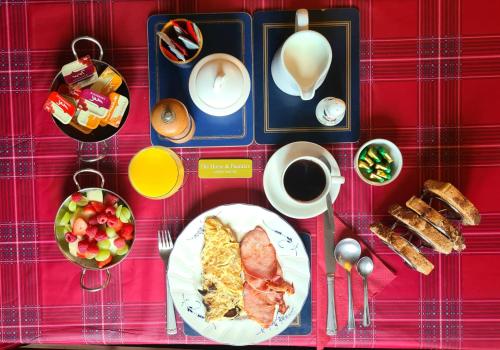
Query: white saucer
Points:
[273, 186]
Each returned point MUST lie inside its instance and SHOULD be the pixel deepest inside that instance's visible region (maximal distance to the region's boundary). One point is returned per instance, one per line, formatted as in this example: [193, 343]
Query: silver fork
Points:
[165, 246]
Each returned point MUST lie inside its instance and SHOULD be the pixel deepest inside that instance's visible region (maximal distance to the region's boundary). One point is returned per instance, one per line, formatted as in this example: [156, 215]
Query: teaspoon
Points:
[365, 267]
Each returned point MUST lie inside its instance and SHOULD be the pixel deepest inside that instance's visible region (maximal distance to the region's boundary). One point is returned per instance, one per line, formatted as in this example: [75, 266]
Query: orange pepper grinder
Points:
[171, 119]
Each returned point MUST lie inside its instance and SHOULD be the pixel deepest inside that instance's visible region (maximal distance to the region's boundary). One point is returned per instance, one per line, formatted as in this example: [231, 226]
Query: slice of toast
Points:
[426, 231]
[437, 220]
[455, 199]
[407, 251]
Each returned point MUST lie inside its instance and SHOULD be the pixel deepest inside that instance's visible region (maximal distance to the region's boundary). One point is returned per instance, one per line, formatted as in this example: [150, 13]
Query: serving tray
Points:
[229, 33]
[302, 324]
[281, 118]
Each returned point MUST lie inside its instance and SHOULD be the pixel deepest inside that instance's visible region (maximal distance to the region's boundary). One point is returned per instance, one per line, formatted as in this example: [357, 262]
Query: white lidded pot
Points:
[219, 84]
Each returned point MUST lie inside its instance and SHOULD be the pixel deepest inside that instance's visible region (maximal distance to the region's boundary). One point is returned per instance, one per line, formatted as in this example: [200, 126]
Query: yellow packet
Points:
[116, 111]
[108, 81]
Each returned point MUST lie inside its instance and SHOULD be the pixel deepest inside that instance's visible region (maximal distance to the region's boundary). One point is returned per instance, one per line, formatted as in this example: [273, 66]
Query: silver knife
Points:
[330, 264]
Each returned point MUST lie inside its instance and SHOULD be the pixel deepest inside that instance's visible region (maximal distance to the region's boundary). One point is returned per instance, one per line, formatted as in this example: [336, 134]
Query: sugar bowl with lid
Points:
[219, 84]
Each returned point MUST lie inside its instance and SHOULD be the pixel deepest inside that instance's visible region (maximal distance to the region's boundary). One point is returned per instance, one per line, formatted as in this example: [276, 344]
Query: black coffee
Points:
[304, 180]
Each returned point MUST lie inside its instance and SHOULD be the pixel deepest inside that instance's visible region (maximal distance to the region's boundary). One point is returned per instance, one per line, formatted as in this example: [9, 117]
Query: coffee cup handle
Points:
[337, 179]
[301, 20]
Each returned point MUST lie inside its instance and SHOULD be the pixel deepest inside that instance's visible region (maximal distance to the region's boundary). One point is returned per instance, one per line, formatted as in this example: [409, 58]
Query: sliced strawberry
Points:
[115, 223]
[99, 207]
[127, 232]
[91, 231]
[88, 211]
[69, 237]
[93, 220]
[76, 197]
[83, 246]
[79, 227]
[119, 243]
[101, 235]
[110, 210]
[93, 248]
[110, 199]
[102, 219]
[101, 264]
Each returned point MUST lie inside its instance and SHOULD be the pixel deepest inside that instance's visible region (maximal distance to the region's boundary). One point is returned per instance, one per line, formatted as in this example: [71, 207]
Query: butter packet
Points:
[108, 81]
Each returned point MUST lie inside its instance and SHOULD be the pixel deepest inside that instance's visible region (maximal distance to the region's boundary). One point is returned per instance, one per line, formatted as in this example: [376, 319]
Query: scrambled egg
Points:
[222, 279]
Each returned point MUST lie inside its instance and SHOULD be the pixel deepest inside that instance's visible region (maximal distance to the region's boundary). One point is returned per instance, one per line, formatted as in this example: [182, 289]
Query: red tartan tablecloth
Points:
[430, 82]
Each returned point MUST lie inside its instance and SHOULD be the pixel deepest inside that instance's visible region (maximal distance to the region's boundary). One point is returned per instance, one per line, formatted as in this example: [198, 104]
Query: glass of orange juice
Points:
[156, 172]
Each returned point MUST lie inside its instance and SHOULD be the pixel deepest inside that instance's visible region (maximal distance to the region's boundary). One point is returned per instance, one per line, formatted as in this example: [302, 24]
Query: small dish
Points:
[62, 221]
[394, 152]
[180, 34]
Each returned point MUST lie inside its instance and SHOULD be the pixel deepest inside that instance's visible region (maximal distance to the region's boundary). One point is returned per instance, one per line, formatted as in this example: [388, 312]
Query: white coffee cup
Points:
[329, 178]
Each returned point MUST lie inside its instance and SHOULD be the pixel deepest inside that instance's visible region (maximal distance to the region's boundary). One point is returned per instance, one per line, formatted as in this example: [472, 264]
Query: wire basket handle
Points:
[88, 38]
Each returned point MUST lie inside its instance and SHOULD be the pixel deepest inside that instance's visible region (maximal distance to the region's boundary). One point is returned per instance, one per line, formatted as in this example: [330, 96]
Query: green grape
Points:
[102, 255]
[123, 250]
[72, 206]
[104, 244]
[110, 232]
[118, 211]
[125, 214]
[65, 218]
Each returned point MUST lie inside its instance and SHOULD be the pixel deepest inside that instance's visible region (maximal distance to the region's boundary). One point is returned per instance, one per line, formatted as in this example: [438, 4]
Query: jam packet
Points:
[94, 102]
[117, 109]
[80, 72]
[59, 107]
[108, 81]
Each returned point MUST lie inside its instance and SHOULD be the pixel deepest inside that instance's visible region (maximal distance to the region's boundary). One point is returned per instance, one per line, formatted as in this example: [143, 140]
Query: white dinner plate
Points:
[185, 271]
[273, 184]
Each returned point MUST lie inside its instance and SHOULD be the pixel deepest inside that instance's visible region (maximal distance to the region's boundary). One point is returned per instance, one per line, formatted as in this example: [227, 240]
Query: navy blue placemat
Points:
[281, 118]
[302, 324]
[229, 33]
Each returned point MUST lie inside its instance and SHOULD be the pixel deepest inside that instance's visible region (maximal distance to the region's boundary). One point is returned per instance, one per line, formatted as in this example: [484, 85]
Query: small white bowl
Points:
[393, 151]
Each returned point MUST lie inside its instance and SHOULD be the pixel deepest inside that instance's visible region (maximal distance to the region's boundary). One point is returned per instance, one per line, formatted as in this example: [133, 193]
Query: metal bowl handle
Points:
[88, 170]
[91, 159]
[89, 38]
[94, 289]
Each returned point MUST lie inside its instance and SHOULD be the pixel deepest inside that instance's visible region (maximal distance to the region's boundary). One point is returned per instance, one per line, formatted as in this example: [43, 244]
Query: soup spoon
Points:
[347, 253]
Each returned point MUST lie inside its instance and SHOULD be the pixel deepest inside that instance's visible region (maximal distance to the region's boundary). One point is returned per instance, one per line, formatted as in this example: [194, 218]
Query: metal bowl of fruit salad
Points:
[94, 228]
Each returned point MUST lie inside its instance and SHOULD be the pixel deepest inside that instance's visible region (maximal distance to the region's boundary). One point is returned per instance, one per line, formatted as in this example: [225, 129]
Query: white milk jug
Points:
[300, 65]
